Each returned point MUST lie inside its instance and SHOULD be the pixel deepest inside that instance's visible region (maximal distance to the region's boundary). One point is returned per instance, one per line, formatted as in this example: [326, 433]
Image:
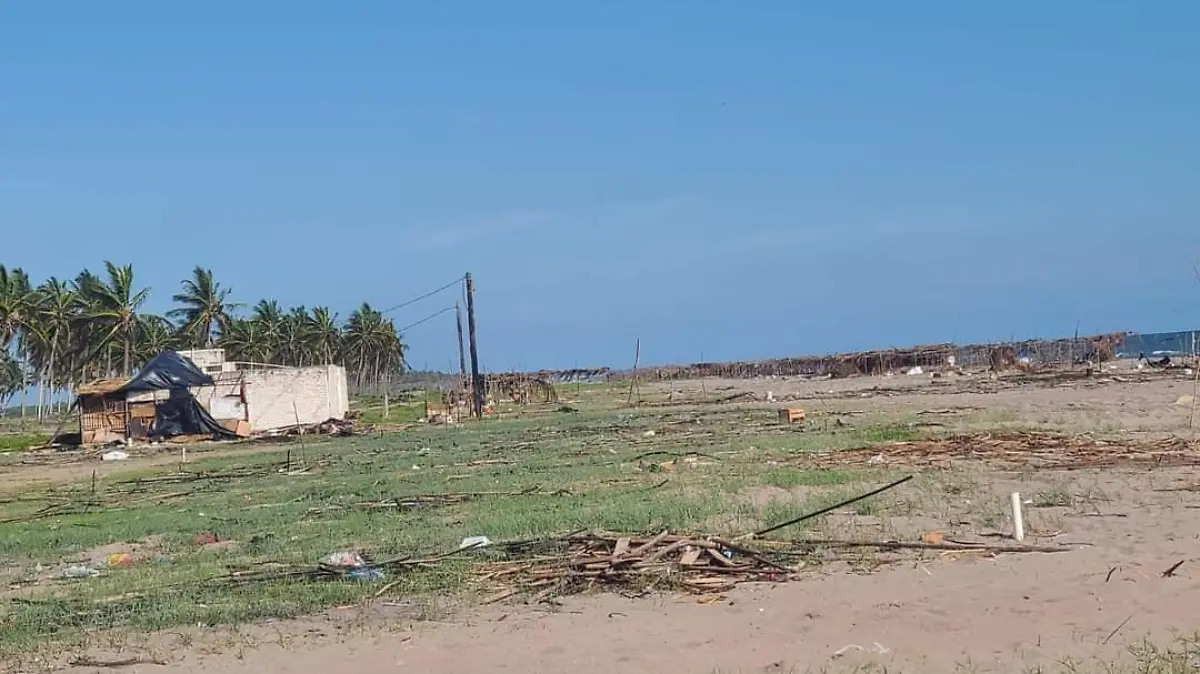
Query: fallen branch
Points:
[903, 545]
[822, 511]
[677, 455]
[86, 661]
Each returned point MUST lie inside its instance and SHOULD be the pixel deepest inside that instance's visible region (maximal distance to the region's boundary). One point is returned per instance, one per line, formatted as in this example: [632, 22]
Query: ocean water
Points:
[1160, 344]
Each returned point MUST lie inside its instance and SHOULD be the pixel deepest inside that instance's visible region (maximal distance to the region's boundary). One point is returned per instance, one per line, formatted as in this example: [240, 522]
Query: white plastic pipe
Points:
[1018, 520]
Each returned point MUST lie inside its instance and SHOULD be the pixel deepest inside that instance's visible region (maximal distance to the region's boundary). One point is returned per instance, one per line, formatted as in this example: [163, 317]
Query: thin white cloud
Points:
[454, 235]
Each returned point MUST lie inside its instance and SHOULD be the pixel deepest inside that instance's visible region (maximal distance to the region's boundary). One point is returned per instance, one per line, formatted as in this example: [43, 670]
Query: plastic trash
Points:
[918, 370]
[119, 559]
[366, 574]
[353, 564]
[80, 572]
[344, 559]
[474, 542]
[114, 455]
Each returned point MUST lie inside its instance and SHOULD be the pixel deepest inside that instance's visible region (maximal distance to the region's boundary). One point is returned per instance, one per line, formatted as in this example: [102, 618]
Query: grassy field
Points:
[618, 470]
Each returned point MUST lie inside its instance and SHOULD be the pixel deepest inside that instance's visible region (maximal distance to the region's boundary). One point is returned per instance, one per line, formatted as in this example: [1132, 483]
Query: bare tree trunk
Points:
[128, 353]
[52, 354]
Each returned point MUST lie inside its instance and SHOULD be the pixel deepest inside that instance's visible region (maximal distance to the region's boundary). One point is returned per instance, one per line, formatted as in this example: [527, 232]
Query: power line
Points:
[431, 293]
[427, 318]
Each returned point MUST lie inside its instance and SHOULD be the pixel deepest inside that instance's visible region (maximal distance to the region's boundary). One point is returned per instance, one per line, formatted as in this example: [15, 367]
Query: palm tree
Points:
[324, 335]
[373, 348]
[293, 337]
[245, 341]
[16, 298]
[54, 311]
[11, 379]
[206, 308]
[268, 316]
[154, 335]
[113, 306]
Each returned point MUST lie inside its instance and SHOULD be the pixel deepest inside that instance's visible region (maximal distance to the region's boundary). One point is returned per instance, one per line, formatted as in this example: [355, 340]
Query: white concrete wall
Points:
[276, 398]
[208, 360]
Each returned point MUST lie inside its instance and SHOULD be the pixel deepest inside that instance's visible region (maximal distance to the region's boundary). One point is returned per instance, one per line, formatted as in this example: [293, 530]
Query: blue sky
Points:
[718, 178]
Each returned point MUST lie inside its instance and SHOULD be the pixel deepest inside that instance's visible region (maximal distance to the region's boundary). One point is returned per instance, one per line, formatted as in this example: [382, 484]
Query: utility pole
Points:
[462, 355]
[477, 387]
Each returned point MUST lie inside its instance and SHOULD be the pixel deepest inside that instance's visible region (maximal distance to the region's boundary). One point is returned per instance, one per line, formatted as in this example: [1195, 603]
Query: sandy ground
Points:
[1123, 400]
[933, 613]
[936, 613]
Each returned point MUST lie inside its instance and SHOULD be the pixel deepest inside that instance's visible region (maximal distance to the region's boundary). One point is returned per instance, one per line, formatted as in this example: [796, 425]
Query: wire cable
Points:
[430, 317]
[430, 294]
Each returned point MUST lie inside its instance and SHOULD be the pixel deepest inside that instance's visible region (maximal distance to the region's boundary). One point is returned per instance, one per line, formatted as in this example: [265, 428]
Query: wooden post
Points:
[637, 357]
[477, 387]
[462, 355]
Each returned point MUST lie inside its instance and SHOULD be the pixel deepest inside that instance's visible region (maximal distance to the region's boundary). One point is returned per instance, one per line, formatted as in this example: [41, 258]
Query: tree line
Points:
[59, 334]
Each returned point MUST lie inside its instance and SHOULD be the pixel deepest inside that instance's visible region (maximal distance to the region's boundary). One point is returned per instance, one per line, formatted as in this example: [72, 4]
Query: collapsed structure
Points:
[200, 393]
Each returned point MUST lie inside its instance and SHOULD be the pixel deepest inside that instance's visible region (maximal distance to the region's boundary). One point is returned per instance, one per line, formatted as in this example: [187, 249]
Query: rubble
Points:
[702, 565]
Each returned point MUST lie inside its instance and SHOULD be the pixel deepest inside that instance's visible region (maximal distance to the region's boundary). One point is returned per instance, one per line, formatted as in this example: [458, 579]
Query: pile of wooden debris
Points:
[700, 565]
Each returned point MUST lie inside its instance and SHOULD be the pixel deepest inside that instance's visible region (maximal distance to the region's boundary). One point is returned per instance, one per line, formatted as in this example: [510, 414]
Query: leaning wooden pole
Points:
[637, 359]
[477, 388]
[462, 354]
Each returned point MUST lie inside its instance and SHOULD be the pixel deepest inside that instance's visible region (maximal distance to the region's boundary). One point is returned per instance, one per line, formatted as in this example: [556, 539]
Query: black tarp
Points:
[180, 413]
[166, 371]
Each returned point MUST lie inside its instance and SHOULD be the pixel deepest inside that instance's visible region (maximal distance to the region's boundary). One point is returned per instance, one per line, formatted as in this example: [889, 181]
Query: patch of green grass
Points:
[20, 442]
[787, 478]
[1058, 497]
[530, 477]
[400, 410]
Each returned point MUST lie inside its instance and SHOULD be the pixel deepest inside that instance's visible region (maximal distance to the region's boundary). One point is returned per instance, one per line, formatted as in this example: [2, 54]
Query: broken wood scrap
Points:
[618, 561]
[922, 545]
[1017, 450]
[676, 455]
[435, 500]
[87, 661]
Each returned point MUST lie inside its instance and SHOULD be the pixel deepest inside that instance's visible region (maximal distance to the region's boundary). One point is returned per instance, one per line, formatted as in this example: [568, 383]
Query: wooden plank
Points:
[622, 547]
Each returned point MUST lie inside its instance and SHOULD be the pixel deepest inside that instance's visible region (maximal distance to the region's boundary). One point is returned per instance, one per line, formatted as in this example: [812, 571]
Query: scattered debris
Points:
[112, 664]
[876, 648]
[1017, 449]
[80, 571]
[114, 455]
[207, 538]
[474, 542]
[1170, 573]
[702, 565]
[351, 565]
[436, 500]
[333, 427]
[790, 415]
[119, 560]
